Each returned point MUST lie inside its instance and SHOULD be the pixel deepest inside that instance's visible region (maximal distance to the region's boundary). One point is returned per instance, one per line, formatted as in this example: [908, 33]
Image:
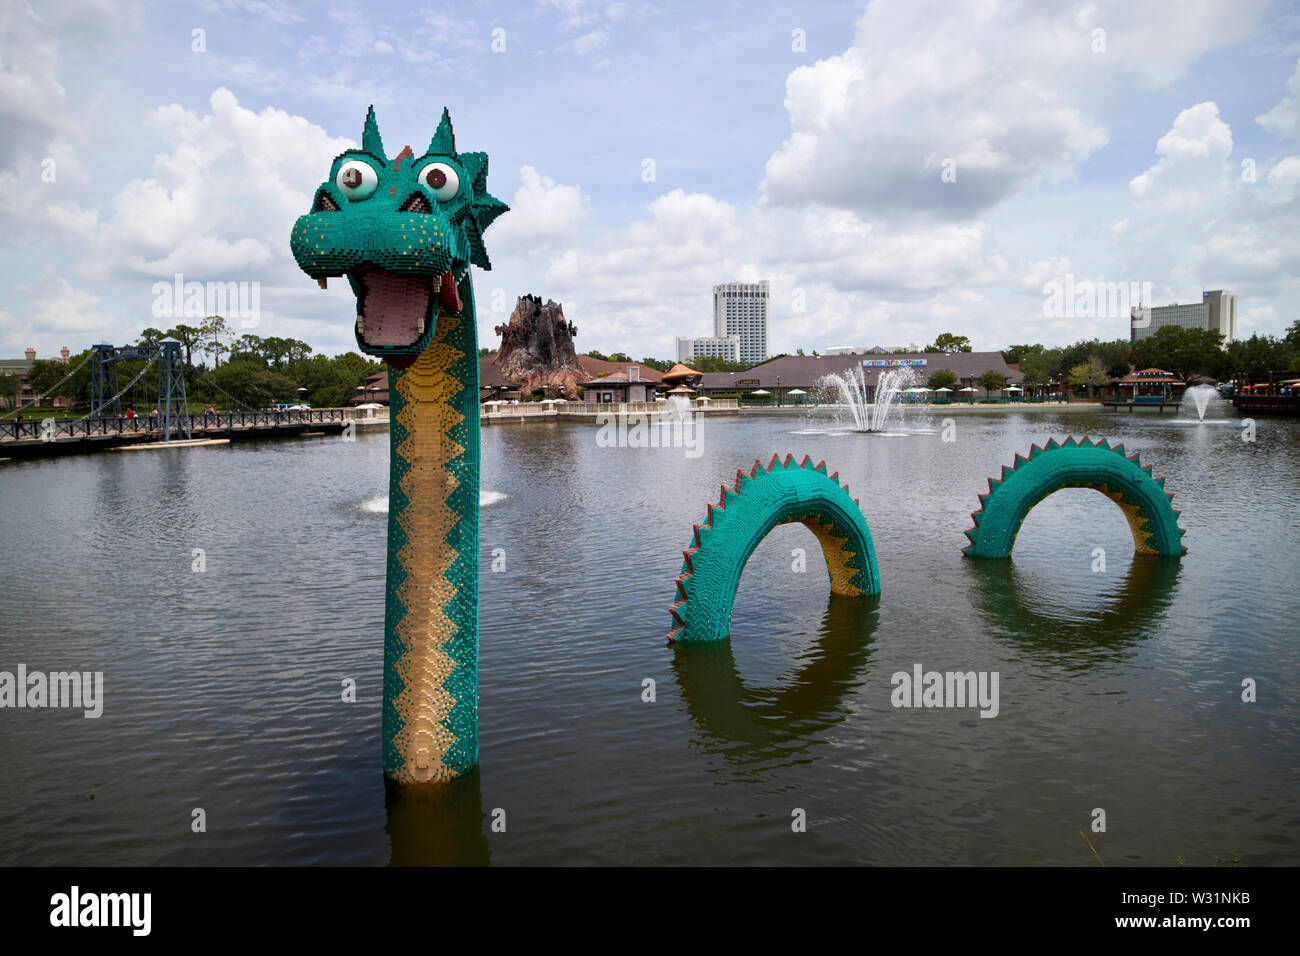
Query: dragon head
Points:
[403, 232]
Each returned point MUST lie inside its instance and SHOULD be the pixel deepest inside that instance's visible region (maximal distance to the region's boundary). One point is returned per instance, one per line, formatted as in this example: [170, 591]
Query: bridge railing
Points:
[36, 429]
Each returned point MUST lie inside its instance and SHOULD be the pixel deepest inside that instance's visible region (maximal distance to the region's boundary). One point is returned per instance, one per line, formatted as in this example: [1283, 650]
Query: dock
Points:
[1131, 406]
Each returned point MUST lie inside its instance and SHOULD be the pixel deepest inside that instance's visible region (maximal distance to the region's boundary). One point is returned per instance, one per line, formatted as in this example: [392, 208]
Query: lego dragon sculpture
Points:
[404, 233]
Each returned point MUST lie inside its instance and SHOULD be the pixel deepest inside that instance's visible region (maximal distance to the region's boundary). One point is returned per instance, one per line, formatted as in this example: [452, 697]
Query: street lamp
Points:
[778, 391]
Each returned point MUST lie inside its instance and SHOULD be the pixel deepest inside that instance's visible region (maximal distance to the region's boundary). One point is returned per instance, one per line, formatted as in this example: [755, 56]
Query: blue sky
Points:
[815, 164]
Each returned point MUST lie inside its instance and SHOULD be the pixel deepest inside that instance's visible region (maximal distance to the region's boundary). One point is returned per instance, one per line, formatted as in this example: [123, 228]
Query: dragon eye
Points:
[357, 180]
[442, 179]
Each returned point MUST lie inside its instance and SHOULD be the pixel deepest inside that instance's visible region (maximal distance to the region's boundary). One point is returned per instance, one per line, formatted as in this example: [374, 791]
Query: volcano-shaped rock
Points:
[537, 350]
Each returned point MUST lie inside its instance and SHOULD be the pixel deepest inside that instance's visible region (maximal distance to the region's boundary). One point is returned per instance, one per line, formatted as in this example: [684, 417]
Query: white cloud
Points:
[1192, 174]
[589, 42]
[542, 213]
[1008, 98]
[1284, 119]
[222, 202]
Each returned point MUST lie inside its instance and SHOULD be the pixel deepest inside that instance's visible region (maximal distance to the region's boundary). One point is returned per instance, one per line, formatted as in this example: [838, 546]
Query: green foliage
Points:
[1015, 354]
[1261, 354]
[659, 365]
[1185, 352]
[1090, 373]
[1040, 366]
[10, 386]
[992, 381]
[254, 385]
[942, 378]
[948, 342]
[273, 351]
[211, 338]
[46, 373]
[709, 363]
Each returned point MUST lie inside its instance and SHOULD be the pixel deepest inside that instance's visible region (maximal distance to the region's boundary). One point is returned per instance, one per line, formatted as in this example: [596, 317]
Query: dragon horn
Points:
[370, 140]
[444, 140]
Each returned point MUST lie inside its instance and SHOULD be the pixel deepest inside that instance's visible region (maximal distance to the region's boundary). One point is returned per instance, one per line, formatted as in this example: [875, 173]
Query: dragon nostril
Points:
[417, 203]
[324, 203]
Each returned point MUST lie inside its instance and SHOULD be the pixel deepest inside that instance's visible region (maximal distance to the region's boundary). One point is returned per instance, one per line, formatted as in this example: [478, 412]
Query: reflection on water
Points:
[1043, 616]
[438, 825]
[786, 719]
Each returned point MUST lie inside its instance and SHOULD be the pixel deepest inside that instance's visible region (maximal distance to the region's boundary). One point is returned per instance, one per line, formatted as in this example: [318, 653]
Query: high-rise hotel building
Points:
[1216, 311]
[740, 309]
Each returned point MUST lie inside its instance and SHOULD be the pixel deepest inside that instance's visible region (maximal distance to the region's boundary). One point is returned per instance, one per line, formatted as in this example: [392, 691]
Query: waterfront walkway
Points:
[33, 438]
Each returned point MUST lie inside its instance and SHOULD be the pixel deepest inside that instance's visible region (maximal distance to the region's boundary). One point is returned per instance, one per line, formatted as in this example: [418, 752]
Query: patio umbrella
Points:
[966, 389]
[796, 391]
[943, 390]
[760, 391]
[1013, 388]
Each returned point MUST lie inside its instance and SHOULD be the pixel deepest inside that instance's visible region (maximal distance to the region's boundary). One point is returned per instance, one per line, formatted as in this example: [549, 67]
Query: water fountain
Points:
[851, 389]
[1198, 396]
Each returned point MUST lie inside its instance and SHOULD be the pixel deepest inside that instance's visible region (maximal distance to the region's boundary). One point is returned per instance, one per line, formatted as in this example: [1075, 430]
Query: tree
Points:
[992, 381]
[253, 384]
[1039, 367]
[942, 378]
[659, 365]
[188, 336]
[211, 334]
[948, 342]
[1091, 373]
[1015, 354]
[708, 363]
[798, 352]
[1188, 352]
[10, 386]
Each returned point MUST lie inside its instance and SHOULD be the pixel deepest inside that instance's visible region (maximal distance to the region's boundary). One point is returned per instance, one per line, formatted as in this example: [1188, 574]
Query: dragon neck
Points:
[430, 718]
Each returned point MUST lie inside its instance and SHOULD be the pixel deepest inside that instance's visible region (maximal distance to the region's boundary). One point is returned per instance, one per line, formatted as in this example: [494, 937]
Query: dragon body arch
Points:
[1075, 463]
[782, 493]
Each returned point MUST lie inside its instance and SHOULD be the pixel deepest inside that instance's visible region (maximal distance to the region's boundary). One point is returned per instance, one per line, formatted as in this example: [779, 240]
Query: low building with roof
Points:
[781, 376]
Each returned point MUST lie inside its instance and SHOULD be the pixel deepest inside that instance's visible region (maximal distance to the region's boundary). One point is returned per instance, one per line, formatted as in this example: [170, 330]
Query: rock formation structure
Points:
[537, 350]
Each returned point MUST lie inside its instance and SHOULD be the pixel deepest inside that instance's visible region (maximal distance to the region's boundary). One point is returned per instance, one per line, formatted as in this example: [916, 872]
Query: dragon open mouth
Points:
[393, 310]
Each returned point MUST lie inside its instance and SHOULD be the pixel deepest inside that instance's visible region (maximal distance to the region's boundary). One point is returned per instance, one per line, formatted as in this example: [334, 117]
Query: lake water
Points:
[1119, 689]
